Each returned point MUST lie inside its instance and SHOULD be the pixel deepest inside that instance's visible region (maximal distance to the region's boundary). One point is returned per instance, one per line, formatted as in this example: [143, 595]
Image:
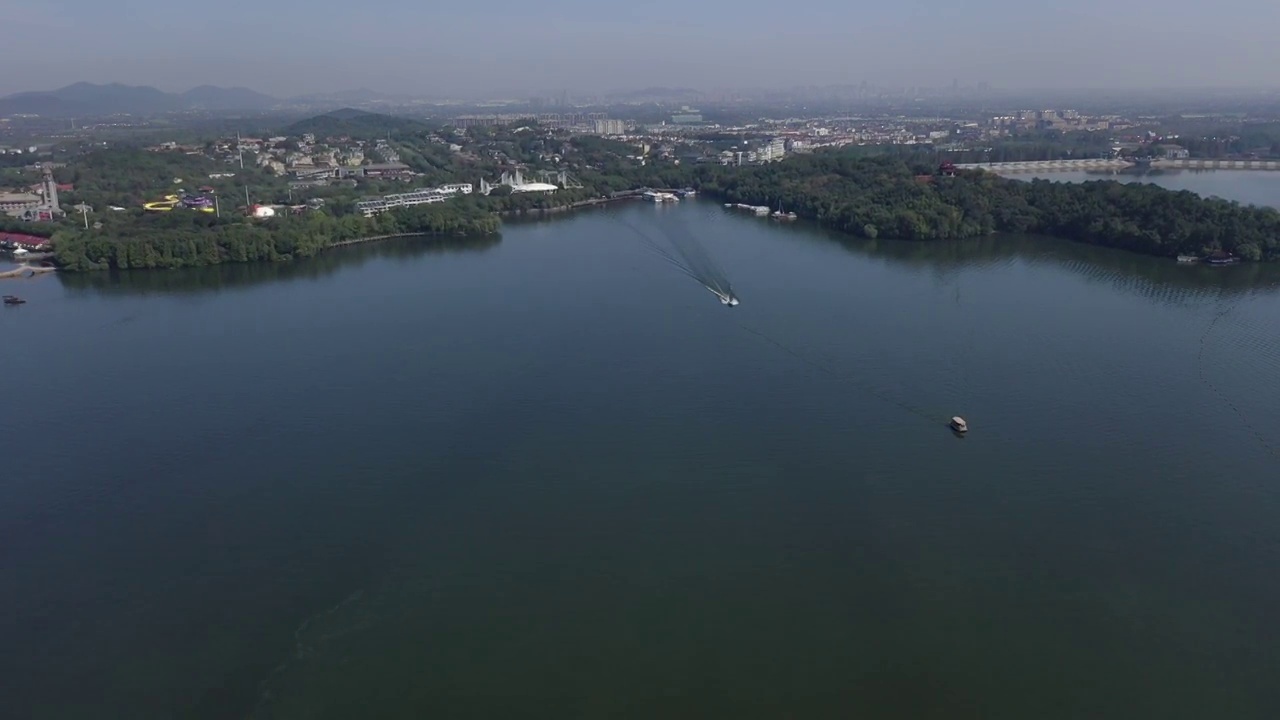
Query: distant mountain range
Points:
[87, 99]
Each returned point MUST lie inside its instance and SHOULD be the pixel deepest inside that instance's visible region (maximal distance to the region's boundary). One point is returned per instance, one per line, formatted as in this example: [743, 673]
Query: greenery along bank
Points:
[184, 238]
[882, 197]
[890, 197]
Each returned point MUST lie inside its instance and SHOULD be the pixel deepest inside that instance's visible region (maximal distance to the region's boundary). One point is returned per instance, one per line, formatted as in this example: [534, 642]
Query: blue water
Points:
[548, 476]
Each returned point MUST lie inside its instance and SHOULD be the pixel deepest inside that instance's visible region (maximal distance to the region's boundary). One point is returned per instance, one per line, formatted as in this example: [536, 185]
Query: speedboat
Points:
[726, 298]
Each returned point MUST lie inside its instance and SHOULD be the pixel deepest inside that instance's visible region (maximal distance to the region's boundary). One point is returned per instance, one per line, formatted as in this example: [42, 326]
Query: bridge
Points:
[1115, 164]
[1218, 164]
[1038, 166]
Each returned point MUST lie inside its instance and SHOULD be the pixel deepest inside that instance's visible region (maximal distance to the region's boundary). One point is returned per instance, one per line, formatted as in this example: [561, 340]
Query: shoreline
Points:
[592, 202]
[374, 238]
[26, 271]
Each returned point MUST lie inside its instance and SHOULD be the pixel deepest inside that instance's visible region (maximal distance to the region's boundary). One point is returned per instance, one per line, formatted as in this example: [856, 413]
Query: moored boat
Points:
[1222, 258]
[1187, 259]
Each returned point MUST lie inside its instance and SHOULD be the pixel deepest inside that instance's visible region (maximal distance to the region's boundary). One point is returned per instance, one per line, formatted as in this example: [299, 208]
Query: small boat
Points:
[959, 425]
[780, 214]
[726, 297]
[1187, 259]
[13, 300]
[1222, 258]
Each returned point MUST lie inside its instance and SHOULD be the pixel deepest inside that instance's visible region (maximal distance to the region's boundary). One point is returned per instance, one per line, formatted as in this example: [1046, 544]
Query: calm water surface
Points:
[1256, 187]
[547, 476]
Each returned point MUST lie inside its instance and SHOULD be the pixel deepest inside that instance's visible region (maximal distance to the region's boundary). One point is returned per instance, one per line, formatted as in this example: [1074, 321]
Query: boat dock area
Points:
[761, 210]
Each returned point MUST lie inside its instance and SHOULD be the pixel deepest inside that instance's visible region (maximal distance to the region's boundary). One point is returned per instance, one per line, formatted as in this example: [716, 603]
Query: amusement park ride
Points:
[191, 202]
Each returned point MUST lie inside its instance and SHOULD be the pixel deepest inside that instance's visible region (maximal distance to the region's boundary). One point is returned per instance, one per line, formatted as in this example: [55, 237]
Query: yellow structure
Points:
[168, 203]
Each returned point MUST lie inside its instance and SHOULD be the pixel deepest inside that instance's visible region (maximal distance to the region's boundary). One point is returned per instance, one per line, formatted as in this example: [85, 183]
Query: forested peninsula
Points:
[883, 197]
[189, 239]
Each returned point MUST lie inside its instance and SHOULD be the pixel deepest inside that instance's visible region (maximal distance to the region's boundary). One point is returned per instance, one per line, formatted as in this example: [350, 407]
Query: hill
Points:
[211, 97]
[357, 124]
[88, 99]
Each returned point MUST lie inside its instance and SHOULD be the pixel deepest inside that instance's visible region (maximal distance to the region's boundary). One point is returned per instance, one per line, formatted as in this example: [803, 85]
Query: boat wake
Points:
[307, 644]
[683, 251]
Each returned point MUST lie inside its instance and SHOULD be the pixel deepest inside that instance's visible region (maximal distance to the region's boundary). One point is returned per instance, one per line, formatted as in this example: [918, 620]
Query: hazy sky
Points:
[522, 47]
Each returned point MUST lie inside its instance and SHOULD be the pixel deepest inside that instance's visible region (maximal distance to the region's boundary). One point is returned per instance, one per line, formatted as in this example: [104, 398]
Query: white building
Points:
[775, 150]
[609, 127]
[369, 208]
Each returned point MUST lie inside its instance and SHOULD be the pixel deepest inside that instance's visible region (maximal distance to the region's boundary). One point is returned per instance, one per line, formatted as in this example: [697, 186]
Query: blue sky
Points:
[525, 47]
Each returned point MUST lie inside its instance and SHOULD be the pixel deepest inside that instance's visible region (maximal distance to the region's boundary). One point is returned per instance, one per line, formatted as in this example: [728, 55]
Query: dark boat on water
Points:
[13, 300]
[1222, 258]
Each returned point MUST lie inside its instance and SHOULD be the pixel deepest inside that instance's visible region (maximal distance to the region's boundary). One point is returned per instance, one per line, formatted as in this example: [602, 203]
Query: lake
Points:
[1256, 187]
[548, 475]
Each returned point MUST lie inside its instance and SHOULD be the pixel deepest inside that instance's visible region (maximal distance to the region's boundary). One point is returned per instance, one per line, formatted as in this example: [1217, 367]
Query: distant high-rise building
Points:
[609, 127]
[776, 149]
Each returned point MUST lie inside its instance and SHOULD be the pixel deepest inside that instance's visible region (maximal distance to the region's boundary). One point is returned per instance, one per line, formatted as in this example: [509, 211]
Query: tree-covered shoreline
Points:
[191, 239]
[881, 197]
[872, 197]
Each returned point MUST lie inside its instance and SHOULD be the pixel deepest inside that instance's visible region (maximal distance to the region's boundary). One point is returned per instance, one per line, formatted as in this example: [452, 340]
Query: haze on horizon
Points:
[519, 47]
